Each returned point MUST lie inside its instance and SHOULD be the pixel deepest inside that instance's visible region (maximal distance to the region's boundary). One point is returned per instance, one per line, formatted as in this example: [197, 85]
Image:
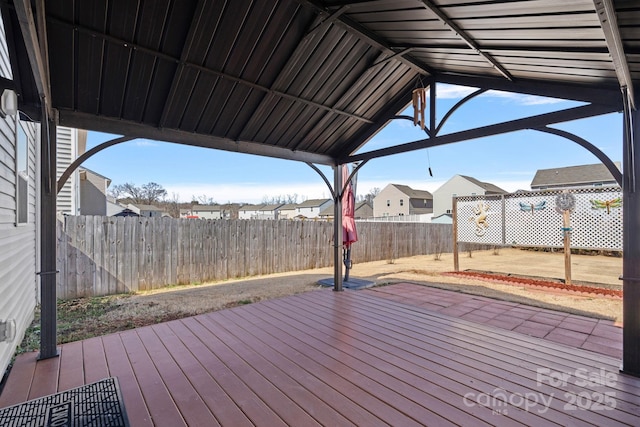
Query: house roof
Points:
[573, 175]
[146, 207]
[328, 211]
[312, 203]
[205, 208]
[250, 207]
[487, 186]
[95, 174]
[307, 80]
[413, 194]
[288, 206]
[271, 207]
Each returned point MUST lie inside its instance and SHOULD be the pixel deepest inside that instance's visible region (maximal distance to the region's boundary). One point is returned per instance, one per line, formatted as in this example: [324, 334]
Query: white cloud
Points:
[145, 143]
[458, 92]
[453, 92]
[524, 99]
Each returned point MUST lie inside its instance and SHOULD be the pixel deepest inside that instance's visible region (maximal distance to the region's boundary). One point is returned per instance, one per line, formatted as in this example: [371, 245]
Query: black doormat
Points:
[97, 404]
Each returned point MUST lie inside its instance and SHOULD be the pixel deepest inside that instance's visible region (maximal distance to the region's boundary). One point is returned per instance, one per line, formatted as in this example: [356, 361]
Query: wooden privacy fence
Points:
[107, 255]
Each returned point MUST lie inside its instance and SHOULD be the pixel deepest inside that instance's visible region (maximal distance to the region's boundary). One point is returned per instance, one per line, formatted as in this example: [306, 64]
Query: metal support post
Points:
[337, 228]
[48, 320]
[631, 243]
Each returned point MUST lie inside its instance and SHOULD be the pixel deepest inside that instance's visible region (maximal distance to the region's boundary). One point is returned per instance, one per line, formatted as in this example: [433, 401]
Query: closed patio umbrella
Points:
[349, 232]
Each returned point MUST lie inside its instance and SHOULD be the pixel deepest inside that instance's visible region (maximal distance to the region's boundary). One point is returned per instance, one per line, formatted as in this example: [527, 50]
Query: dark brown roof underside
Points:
[307, 80]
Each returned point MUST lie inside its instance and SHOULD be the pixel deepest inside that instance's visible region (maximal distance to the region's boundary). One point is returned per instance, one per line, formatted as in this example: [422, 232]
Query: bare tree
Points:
[146, 194]
[370, 195]
[203, 200]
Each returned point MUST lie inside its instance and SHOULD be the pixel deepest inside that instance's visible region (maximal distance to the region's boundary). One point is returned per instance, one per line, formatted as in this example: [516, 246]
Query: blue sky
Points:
[508, 161]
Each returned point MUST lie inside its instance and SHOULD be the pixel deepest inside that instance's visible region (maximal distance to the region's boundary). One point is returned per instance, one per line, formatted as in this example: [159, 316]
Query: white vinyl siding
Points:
[67, 200]
[18, 286]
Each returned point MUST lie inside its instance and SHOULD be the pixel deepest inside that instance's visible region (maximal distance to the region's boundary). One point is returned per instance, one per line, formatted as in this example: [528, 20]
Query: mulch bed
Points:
[537, 282]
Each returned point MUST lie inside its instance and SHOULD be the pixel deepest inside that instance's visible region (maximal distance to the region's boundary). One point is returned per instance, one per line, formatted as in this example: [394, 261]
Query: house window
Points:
[401, 202]
[22, 175]
[388, 202]
[448, 211]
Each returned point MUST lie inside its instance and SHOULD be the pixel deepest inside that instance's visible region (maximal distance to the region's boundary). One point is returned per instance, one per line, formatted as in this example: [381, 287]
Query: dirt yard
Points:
[425, 270]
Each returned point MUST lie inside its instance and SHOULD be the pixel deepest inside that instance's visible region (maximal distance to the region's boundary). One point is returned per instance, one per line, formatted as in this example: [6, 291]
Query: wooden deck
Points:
[349, 358]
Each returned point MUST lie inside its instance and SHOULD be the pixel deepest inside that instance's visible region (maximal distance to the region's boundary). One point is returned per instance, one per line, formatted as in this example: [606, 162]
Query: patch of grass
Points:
[83, 318]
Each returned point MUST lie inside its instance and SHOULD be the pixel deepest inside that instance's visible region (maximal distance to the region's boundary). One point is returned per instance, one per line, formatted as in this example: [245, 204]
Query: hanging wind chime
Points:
[419, 106]
[419, 98]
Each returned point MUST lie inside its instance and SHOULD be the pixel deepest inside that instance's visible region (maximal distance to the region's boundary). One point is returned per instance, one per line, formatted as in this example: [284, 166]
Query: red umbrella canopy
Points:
[349, 233]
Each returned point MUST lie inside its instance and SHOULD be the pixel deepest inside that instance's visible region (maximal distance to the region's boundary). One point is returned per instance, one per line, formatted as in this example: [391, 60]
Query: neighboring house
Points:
[249, 211]
[287, 211]
[311, 208]
[125, 212]
[573, 176]
[85, 191]
[402, 200]
[269, 211]
[93, 192]
[327, 213]
[363, 210]
[116, 209]
[460, 185]
[445, 218]
[149, 211]
[19, 165]
[71, 143]
[207, 211]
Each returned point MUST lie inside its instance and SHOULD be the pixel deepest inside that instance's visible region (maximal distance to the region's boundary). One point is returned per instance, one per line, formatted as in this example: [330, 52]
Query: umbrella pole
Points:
[347, 262]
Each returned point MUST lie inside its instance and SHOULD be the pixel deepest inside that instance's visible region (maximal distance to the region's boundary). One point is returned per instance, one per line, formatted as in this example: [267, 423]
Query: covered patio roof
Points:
[305, 80]
[314, 80]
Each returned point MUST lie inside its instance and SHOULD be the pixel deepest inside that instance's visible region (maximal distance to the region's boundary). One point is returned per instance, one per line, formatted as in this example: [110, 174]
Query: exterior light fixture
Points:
[7, 330]
[8, 103]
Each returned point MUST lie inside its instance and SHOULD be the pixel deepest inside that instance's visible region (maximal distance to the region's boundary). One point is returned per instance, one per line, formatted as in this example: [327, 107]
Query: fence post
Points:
[454, 217]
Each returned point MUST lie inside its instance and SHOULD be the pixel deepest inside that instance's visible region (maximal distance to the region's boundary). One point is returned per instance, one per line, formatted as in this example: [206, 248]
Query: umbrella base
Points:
[353, 283]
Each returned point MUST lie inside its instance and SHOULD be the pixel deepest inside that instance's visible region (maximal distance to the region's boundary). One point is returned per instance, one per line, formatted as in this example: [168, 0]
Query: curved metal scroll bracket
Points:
[617, 175]
[326, 181]
[448, 114]
[73, 166]
[324, 178]
[458, 105]
[351, 175]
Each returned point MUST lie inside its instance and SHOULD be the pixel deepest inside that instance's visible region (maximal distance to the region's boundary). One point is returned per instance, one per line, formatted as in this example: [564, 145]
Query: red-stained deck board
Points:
[16, 389]
[217, 400]
[161, 406]
[332, 358]
[308, 402]
[287, 409]
[344, 388]
[95, 362]
[434, 357]
[248, 401]
[190, 404]
[300, 370]
[45, 378]
[120, 367]
[71, 366]
[411, 395]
